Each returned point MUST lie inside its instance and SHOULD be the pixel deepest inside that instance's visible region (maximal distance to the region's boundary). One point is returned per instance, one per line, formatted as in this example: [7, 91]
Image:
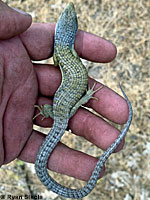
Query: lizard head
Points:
[66, 26]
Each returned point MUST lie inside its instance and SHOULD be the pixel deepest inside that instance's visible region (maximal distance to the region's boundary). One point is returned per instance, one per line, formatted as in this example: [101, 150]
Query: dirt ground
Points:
[127, 24]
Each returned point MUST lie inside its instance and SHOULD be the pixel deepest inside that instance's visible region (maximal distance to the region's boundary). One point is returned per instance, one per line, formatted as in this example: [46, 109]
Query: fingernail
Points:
[20, 11]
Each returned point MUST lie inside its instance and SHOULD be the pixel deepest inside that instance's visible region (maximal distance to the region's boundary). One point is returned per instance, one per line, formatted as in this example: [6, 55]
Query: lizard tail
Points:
[51, 140]
[51, 184]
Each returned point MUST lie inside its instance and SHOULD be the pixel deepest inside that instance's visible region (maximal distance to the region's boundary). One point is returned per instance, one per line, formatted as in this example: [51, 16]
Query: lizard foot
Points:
[45, 111]
[91, 91]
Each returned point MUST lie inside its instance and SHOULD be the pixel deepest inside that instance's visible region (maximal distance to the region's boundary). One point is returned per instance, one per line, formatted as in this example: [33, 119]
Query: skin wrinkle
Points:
[89, 129]
[102, 46]
[14, 97]
[45, 74]
[18, 66]
[14, 110]
[10, 18]
[78, 161]
[3, 26]
[68, 165]
[85, 175]
[1, 109]
[44, 48]
[63, 159]
[1, 77]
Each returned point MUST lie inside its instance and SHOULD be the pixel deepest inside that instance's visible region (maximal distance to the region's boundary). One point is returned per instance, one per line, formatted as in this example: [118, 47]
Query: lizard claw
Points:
[91, 91]
[45, 111]
[40, 108]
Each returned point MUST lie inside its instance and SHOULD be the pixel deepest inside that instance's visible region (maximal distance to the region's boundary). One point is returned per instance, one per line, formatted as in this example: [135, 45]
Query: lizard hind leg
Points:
[91, 91]
[85, 98]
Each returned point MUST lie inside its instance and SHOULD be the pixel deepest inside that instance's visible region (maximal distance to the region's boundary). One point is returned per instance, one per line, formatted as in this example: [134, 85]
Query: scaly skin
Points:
[68, 98]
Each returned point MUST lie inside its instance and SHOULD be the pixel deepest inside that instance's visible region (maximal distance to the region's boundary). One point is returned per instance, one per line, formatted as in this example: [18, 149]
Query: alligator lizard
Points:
[67, 99]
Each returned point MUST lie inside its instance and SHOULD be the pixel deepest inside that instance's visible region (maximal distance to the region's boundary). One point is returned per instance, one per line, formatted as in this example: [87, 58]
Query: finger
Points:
[110, 105]
[13, 22]
[49, 78]
[39, 41]
[63, 159]
[92, 47]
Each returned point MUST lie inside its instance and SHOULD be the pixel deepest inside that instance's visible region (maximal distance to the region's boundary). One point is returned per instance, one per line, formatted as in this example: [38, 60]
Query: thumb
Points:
[12, 21]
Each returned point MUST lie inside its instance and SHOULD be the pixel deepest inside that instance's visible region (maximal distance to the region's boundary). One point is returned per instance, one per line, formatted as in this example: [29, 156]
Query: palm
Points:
[19, 96]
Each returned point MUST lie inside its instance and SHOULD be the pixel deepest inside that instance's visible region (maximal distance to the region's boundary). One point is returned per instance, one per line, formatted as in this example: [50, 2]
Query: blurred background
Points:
[127, 24]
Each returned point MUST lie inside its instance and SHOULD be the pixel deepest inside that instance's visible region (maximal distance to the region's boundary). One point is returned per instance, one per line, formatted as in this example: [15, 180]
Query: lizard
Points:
[71, 94]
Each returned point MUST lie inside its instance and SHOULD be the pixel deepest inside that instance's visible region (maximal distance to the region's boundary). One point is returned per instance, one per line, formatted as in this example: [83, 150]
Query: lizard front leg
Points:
[46, 111]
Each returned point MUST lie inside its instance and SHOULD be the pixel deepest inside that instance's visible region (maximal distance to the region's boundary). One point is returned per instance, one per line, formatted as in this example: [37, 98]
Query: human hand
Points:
[19, 92]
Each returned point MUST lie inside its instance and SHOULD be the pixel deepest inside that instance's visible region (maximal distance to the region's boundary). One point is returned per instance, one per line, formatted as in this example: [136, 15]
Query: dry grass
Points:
[127, 24]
